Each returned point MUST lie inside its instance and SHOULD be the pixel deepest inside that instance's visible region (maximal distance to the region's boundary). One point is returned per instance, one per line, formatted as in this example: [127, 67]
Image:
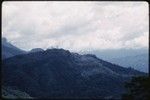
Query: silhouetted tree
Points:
[138, 89]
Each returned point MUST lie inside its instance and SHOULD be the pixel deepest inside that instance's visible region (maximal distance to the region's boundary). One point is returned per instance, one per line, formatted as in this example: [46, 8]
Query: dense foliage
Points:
[138, 89]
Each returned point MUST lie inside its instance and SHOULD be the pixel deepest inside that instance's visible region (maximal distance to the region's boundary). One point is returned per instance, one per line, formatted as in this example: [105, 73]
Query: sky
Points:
[76, 25]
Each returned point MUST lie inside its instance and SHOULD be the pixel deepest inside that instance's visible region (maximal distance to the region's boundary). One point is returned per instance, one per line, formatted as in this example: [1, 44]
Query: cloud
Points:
[76, 25]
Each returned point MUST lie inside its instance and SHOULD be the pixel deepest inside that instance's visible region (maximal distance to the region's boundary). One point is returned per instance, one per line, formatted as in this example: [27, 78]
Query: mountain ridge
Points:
[138, 62]
[9, 50]
[61, 73]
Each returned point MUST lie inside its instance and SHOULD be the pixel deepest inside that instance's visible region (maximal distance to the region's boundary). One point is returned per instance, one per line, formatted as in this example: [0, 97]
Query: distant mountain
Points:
[117, 53]
[138, 62]
[9, 50]
[135, 58]
[36, 50]
[58, 73]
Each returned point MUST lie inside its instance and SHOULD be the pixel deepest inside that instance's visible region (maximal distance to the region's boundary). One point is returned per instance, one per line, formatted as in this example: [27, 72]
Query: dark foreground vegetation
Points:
[138, 89]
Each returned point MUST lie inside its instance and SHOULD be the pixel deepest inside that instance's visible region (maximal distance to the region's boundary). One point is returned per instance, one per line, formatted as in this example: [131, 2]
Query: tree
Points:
[138, 89]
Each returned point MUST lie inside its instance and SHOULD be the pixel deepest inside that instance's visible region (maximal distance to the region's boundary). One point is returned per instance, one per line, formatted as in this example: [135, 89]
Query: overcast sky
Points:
[76, 25]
